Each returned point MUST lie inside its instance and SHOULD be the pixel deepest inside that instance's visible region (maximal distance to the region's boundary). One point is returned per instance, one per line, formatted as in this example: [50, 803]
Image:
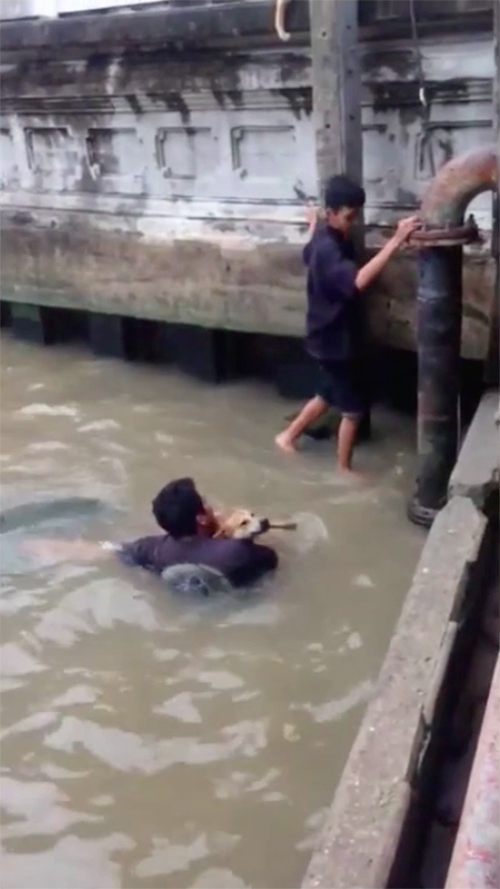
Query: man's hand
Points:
[406, 227]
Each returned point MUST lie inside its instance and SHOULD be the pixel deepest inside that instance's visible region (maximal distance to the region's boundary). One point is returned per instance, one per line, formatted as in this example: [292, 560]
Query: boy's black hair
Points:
[176, 507]
[341, 191]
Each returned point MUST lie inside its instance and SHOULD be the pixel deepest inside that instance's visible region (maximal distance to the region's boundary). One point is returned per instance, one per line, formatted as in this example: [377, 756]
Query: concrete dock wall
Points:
[377, 829]
[155, 164]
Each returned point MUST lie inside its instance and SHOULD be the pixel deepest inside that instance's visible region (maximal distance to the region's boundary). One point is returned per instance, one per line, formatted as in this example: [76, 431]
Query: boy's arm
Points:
[367, 273]
[312, 218]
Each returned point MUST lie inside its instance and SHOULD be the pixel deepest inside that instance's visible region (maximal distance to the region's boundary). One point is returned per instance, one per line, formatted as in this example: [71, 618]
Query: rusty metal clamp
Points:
[450, 236]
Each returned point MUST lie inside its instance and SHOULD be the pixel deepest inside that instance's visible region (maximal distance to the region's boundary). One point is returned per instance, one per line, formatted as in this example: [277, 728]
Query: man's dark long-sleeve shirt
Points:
[240, 561]
[332, 312]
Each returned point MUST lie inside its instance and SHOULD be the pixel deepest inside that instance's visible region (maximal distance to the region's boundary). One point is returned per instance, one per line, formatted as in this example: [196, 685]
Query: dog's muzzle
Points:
[252, 529]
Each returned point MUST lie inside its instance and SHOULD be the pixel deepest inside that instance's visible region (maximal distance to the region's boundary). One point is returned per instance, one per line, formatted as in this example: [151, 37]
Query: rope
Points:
[422, 94]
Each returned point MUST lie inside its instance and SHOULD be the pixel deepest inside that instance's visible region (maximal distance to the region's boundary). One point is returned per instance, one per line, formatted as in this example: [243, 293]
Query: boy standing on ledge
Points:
[334, 284]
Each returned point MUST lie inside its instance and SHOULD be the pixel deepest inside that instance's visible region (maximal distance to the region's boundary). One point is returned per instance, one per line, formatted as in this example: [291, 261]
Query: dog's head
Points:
[241, 524]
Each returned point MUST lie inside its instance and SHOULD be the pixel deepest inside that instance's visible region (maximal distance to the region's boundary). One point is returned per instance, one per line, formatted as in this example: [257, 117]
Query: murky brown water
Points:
[149, 742]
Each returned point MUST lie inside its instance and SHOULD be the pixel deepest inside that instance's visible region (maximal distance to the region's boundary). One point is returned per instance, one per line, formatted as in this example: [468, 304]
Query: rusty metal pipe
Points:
[439, 321]
[457, 184]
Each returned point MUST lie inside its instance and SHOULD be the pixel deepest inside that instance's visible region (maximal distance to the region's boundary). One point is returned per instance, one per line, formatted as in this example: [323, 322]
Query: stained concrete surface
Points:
[475, 862]
[476, 473]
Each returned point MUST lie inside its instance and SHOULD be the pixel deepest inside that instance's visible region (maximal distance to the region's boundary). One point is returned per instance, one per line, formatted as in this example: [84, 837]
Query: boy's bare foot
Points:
[285, 443]
[351, 475]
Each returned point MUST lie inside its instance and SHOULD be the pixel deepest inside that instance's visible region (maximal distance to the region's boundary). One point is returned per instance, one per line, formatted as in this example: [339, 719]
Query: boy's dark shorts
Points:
[341, 384]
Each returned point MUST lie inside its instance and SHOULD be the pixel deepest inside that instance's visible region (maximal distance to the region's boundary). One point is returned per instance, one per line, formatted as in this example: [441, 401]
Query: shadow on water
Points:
[66, 510]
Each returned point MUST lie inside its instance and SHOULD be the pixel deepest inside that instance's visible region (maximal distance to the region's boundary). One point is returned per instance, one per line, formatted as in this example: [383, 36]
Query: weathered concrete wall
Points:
[157, 164]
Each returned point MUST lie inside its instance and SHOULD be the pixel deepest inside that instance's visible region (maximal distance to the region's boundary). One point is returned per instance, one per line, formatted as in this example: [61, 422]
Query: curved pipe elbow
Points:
[457, 183]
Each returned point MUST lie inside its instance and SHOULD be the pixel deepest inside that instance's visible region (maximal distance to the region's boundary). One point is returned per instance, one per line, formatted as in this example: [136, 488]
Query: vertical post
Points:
[108, 335]
[492, 367]
[46, 325]
[5, 314]
[336, 84]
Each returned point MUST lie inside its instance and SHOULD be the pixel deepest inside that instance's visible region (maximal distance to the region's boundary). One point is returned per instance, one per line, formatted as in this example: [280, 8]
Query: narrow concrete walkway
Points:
[475, 862]
[413, 798]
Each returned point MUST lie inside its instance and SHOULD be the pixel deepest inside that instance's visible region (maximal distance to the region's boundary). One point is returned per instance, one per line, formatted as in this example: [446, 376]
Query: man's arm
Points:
[68, 550]
[367, 273]
[133, 553]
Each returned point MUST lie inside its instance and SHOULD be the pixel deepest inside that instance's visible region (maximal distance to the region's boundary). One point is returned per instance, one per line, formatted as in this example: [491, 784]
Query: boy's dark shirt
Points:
[240, 561]
[333, 319]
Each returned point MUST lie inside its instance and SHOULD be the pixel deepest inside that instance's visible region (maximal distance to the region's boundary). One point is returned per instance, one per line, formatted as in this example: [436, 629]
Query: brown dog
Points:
[241, 524]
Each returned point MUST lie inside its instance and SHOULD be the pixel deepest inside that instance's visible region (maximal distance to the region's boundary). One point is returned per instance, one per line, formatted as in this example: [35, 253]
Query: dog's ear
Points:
[227, 526]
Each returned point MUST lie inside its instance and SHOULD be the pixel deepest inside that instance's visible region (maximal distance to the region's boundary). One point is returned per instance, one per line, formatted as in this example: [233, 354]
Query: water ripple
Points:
[129, 752]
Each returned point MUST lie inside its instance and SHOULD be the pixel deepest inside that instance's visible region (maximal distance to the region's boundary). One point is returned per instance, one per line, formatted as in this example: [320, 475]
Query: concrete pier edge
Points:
[476, 473]
[475, 863]
[372, 818]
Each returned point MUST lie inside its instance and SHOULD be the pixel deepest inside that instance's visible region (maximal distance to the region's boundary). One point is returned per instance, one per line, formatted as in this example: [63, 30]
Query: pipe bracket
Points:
[449, 236]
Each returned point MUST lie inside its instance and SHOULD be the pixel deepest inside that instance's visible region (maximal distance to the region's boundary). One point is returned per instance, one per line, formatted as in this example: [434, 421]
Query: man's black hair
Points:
[341, 191]
[176, 507]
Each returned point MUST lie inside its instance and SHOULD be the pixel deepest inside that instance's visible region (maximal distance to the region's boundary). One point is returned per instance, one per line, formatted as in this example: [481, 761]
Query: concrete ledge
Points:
[371, 806]
[179, 25]
[476, 473]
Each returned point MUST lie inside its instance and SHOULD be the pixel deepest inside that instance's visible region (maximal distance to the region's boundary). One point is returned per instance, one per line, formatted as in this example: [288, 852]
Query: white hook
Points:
[279, 20]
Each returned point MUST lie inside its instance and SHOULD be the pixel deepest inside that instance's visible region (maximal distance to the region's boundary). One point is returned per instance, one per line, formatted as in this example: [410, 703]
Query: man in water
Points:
[189, 525]
[334, 284]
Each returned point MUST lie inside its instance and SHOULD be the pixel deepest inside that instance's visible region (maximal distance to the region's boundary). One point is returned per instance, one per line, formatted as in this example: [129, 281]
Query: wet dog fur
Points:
[241, 524]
